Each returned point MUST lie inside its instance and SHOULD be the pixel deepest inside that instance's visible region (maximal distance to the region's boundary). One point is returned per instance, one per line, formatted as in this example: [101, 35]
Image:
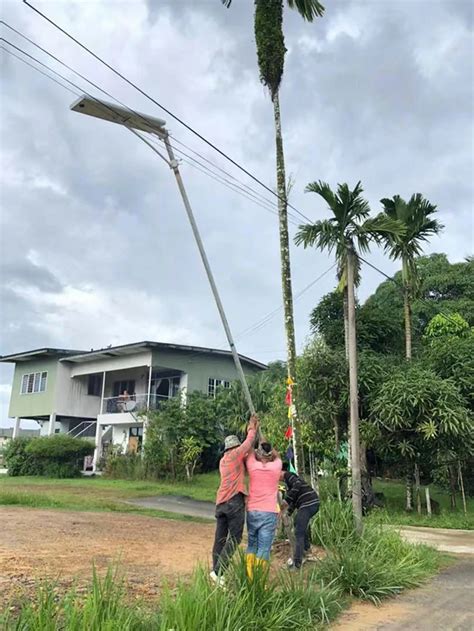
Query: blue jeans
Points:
[261, 528]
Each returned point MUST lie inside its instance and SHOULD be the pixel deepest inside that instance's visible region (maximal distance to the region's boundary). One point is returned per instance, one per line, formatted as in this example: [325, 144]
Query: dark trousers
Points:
[230, 518]
[302, 535]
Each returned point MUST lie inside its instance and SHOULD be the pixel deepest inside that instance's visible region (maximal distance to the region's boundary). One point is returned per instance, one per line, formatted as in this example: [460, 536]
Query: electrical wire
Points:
[38, 70]
[169, 112]
[250, 194]
[230, 185]
[263, 321]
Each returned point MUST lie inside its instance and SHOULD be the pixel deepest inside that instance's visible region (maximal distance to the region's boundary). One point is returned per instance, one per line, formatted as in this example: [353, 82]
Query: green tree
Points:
[271, 50]
[446, 326]
[422, 417]
[378, 328]
[416, 216]
[349, 231]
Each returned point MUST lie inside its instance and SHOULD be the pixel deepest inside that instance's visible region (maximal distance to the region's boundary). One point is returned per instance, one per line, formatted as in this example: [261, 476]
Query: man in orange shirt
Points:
[230, 501]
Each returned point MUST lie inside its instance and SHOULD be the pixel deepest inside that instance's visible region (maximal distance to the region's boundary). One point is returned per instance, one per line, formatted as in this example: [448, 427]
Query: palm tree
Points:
[349, 231]
[270, 42]
[419, 225]
[416, 217]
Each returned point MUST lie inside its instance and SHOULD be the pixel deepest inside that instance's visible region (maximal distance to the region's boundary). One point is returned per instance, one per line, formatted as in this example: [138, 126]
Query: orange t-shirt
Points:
[232, 470]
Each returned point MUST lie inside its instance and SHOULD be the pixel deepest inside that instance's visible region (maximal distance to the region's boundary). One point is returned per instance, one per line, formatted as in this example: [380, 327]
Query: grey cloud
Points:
[103, 214]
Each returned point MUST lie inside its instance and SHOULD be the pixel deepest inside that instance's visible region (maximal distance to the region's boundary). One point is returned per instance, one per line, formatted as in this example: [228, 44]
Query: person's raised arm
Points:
[246, 446]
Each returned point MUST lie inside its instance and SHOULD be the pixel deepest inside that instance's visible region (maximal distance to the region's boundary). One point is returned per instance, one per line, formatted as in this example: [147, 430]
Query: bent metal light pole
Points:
[134, 121]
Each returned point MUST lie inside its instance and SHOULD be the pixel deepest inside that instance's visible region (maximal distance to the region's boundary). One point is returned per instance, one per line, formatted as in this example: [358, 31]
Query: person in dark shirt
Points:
[299, 496]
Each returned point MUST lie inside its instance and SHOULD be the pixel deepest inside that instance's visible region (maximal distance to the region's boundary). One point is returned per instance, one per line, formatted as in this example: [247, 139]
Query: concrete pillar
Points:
[98, 446]
[16, 428]
[52, 424]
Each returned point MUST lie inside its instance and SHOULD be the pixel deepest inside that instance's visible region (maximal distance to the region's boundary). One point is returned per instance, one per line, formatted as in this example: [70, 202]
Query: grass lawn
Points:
[100, 494]
[394, 512]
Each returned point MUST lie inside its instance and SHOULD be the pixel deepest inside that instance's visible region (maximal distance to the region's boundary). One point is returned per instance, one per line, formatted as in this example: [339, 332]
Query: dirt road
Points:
[38, 543]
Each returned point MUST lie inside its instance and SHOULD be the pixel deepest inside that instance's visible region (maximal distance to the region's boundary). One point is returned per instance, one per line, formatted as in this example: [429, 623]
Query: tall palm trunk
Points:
[407, 309]
[286, 274]
[345, 306]
[346, 321]
[353, 394]
[407, 312]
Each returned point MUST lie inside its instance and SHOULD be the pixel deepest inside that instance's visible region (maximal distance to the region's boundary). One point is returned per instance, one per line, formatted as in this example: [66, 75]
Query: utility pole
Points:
[353, 392]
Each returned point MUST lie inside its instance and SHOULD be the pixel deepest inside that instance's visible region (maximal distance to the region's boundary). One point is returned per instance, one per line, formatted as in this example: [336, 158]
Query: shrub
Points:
[18, 461]
[129, 466]
[58, 456]
[372, 566]
[333, 528]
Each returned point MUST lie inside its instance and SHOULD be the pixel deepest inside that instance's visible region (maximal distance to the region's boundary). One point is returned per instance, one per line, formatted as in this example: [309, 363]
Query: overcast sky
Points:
[95, 246]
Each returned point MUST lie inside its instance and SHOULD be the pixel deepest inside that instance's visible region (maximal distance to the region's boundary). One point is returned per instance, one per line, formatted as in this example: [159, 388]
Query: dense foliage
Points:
[59, 456]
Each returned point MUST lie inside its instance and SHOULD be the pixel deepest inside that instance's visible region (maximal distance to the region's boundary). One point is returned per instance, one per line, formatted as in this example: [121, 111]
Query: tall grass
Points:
[266, 603]
[103, 608]
[374, 565]
[272, 604]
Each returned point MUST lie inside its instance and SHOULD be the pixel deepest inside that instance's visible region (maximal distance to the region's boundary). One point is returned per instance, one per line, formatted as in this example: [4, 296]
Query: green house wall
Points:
[36, 403]
[200, 368]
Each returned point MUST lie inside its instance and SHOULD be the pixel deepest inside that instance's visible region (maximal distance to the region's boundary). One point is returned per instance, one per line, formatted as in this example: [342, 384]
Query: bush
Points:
[128, 466]
[58, 456]
[18, 461]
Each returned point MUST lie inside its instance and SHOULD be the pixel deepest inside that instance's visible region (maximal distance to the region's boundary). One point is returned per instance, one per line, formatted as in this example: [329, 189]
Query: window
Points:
[94, 385]
[34, 382]
[213, 384]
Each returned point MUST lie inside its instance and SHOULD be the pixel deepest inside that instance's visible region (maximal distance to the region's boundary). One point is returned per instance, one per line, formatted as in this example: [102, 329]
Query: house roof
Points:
[124, 349]
[39, 352]
[128, 349]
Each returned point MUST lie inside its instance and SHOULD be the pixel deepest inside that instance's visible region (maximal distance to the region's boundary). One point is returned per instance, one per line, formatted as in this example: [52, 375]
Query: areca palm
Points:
[270, 42]
[349, 232]
[416, 216]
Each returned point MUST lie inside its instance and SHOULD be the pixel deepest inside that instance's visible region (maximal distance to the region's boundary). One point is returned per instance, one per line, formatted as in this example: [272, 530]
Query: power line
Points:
[263, 321]
[251, 196]
[98, 87]
[38, 69]
[216, 166]
[150, 98]
[230, 185]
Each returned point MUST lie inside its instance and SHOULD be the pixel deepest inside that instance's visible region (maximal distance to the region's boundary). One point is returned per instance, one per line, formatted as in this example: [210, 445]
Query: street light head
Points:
[116, 114]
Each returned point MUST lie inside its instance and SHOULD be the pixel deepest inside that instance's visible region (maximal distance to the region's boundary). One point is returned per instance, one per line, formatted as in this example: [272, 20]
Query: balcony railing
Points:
[133, 403]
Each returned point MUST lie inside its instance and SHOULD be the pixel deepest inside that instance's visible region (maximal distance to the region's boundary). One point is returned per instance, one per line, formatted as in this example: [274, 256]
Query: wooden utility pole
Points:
[353, 393]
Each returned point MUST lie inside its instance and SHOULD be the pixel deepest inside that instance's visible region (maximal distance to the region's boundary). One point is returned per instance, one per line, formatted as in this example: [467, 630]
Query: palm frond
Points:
[226, 3]
[322, 234]
[419, 226]
[308, 9]
[324, 190]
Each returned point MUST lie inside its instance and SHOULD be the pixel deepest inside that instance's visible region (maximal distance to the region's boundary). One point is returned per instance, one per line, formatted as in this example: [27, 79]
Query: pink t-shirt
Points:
[263, 484]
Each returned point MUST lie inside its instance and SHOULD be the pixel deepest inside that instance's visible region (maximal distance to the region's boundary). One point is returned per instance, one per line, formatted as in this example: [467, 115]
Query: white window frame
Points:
[37, 380]
[213, 383]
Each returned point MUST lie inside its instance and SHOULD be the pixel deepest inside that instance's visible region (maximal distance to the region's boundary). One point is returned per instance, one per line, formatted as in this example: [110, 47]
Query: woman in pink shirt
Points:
[263, 468]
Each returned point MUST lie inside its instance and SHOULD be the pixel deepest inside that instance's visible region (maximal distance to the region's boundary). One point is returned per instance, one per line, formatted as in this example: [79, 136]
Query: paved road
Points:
[177, 504]
[446, 540]
[446, 604]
